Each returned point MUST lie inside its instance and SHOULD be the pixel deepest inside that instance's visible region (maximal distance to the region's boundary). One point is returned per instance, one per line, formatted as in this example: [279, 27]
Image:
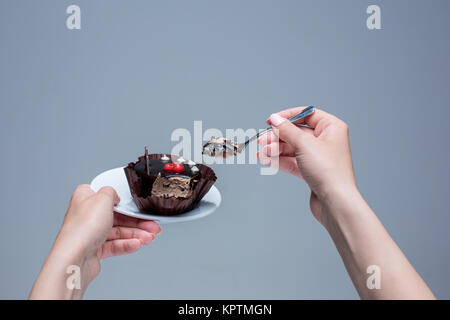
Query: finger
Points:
[289, 165]
[81, 193]
[267, 138]
[146, 225]
[311, 120]
[263, 159]
[285, 164]
[278, 149]
[109, 193]
[130, 233]
[119, 247]
[271, 137]
[288, 131]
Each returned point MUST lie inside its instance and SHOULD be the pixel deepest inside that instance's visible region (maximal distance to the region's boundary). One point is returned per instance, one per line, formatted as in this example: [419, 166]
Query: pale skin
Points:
[91, 231]
[321, 156]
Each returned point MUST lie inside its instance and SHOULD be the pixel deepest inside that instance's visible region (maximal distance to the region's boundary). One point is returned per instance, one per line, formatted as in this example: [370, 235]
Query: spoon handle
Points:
[306, 112]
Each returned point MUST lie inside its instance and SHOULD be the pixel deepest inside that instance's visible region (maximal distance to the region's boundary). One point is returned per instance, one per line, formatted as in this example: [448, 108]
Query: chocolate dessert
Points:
[168, 185]
[176, 187]
[220, 147]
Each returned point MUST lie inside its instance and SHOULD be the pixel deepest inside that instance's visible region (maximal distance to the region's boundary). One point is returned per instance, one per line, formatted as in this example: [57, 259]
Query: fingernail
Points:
[276, 119]
[152, 238]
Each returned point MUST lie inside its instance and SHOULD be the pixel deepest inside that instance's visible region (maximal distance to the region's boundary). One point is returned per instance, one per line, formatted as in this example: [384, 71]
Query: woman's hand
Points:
[91, 231]
[320, 155]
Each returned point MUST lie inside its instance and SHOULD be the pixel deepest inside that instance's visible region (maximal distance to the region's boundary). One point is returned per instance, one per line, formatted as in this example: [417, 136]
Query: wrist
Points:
[75, 250]
[71, 263]
[53, 281]
[69, 246]
[333, 193]
[68, 251]
[341, 203]
[74, 238]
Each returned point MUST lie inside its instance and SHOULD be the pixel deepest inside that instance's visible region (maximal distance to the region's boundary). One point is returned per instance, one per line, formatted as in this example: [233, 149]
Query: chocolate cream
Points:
[220, 147]
[172, 186]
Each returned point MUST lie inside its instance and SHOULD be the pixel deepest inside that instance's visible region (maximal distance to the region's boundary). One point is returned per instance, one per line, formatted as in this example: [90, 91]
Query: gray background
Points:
[75, 103]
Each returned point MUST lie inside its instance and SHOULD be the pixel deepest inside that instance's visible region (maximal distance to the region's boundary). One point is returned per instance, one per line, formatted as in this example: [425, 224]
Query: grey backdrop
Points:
[75, 103]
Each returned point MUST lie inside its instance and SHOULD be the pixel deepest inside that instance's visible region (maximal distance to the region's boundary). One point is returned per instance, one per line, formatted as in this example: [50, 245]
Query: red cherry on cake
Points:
[168, 167]
[178, 167]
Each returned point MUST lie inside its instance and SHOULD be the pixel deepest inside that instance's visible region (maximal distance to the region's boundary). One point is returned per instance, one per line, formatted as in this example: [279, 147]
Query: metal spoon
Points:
[217, 147]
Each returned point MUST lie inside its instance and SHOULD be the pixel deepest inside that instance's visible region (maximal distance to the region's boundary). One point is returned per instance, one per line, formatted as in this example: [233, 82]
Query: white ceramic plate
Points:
[116, 178]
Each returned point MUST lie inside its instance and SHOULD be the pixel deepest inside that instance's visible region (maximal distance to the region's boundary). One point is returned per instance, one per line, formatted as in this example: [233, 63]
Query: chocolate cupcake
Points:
[167, 185]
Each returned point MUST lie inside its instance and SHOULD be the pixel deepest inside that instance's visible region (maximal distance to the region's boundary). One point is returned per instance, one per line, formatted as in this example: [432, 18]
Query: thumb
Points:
[287, 131]
[110, 194]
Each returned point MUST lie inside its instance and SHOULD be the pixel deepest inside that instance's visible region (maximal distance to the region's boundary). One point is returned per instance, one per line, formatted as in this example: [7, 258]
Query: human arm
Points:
[321, 156]
[91, 231]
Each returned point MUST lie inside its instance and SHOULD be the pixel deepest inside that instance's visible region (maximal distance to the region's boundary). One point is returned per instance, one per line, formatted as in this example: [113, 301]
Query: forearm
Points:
[52, 281]
[362, 241]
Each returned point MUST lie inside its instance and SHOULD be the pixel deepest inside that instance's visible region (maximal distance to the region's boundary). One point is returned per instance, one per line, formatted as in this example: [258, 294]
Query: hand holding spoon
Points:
[222, 147]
